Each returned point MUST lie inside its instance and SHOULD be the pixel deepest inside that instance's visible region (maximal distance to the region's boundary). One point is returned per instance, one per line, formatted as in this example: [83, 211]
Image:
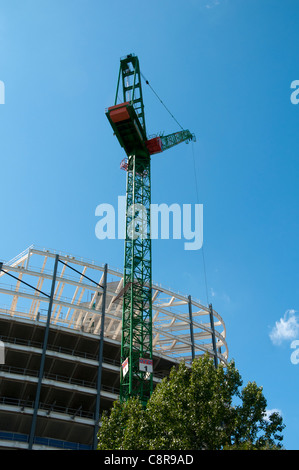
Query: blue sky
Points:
[224, 68]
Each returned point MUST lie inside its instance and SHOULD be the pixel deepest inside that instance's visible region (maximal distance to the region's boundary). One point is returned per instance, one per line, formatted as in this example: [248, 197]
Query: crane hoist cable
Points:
[195, 176]
[202, 248]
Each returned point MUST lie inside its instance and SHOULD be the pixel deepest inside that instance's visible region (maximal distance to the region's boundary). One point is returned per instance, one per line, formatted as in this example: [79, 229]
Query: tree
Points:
[197, 407]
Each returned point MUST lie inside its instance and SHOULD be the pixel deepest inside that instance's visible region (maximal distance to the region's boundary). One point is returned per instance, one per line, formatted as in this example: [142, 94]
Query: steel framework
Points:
[67, 410]
[137, 301]
[77, 304]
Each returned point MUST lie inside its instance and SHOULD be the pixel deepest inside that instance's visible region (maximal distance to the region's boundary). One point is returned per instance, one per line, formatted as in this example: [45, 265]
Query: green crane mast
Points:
[128, 123]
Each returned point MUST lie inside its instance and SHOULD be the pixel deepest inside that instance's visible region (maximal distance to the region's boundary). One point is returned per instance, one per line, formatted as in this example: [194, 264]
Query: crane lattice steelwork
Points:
[128, 123]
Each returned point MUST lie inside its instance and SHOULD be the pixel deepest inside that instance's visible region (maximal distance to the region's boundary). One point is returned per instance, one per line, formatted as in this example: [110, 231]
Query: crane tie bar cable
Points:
[148, 83]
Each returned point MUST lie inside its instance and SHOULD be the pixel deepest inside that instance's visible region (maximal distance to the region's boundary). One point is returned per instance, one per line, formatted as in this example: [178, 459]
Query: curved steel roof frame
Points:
[77, 304]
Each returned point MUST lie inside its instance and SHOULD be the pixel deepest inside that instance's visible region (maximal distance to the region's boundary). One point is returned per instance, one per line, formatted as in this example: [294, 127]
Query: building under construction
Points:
[61, 327]
[76, 336]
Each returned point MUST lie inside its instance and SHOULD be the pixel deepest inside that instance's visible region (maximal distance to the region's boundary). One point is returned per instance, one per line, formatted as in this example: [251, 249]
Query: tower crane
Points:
[128, 123]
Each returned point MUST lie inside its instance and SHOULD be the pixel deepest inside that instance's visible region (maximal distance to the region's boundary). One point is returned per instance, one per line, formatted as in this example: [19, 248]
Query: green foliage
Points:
[194, 408]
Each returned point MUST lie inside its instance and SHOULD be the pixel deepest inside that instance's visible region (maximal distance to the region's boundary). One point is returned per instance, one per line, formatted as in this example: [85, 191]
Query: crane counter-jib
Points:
[127, 128]
[130, 134]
